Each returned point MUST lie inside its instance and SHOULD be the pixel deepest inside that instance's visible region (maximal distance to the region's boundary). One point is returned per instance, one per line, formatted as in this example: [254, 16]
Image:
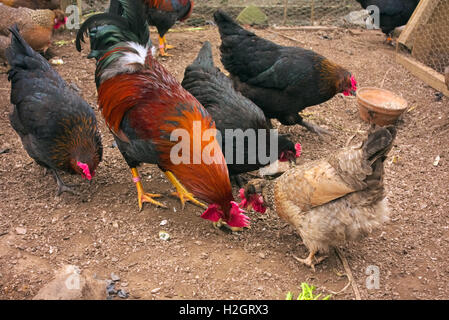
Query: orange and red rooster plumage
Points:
[144, 105]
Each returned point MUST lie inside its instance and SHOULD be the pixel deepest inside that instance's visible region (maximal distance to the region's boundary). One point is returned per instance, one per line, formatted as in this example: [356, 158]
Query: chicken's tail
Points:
[204, 60]
[21, 57]
[125, 22]
[20, 54]
[375, 150]
[360, 167]
[227, 26]
[379, 143]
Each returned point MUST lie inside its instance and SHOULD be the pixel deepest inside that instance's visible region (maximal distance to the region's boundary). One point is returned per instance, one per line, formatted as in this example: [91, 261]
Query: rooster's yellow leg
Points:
[162, 48]
[309, 260]
[182, 192]
[167, 46]
[141, 195]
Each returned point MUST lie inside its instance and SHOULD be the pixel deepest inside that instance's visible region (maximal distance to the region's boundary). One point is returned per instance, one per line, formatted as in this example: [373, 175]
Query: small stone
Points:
[163, 235]
[262, 255]
[70, 284]
[114, 277]
[115, 224]
[163, 223]
[156, 290]
[110, 289]
[21, 231]
[122, 294]
[56, 62]
[114, 259]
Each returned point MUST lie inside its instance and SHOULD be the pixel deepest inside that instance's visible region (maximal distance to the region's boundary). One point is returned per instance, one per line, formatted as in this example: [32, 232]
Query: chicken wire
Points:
[285, 12]
[429, 40]
[279, 12]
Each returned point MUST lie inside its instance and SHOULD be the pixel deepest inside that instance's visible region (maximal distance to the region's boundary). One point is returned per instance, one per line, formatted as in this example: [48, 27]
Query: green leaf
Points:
[307, 293]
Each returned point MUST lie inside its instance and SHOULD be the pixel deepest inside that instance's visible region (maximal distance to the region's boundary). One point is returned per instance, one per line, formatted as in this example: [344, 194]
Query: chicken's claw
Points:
[309, 261]
[181, 192]
[164, 46]
[148, 197]
[223, 226]
[162, 53]
[315, 128]
[141, 195]
[62, 187]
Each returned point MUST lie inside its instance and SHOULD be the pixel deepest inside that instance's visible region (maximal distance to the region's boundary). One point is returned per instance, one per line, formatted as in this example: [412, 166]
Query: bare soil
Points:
[102, 230]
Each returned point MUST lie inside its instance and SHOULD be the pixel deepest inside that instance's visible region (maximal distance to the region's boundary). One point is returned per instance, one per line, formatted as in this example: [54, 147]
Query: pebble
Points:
[156, 290]
[262, 255]
[114, 259]
[163, 235]
[122, 294]
[21, 231]
[114, 277]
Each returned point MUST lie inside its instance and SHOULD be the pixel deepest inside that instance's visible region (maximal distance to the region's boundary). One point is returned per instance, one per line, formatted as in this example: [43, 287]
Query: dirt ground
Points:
[103, 232]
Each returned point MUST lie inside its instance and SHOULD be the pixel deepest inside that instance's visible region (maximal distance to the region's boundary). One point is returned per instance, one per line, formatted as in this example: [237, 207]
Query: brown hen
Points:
[33, 4]
[330, 201]
[36, 26]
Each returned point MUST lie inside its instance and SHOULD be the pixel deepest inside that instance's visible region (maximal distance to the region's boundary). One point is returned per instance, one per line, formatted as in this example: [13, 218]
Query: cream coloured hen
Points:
[333, 200]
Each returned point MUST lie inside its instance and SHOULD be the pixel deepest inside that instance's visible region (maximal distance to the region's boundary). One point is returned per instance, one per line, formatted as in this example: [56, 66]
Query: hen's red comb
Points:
[85, 169]
[298, 149]
[353, 83]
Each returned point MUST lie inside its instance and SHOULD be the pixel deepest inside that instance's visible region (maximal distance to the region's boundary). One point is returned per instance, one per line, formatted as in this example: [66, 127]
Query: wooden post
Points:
[65, 4]
[423, 7]
[285, 12]
[79, 3]
[312, 13]
[423, 72]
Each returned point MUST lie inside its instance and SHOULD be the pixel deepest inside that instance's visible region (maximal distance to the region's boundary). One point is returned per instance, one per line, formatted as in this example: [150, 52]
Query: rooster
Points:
[149, 112]
[333, 200]
[163, 14]
[282, 81]
[232, 111]
[57, 127]
[36, 26]
[33, 4]
[393, 13]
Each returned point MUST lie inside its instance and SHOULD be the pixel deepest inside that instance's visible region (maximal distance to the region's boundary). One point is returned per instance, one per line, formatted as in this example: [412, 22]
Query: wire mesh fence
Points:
[285, 12]
[429, 39]
[278, 12]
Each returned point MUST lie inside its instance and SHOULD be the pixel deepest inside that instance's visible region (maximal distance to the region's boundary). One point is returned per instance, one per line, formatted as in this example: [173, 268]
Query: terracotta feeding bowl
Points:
[380, 106]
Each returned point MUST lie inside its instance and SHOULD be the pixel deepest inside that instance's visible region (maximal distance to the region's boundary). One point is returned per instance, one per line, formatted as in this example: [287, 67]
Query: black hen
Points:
[393, 13]
[57, 127]
[162, 14]
[282, 81]
[232, 111]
